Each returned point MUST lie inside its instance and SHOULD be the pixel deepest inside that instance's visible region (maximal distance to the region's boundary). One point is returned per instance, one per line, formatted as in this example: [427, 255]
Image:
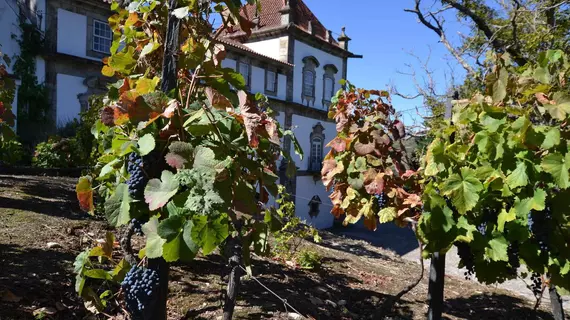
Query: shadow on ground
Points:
[40, 278]
[492, 306]
[307, 292]
[55, 197]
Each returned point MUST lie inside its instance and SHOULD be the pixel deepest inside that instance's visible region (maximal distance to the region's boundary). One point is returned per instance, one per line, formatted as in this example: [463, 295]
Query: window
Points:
[328, 84]
[309, 83]
[329, 88]
[309, 76]
[244, 69]
[316, 157]
[102, 37]
[314, 206]
[271, 82]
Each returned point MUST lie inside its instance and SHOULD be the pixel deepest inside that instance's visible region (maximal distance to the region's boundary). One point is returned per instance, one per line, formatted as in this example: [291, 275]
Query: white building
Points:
[300, 79]
[290, 56]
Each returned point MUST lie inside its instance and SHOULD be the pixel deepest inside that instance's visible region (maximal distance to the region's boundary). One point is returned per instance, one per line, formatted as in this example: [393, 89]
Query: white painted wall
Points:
[68, 106]
[258, 80]
[302, 127]
[303, 50]
[307, 187]
[8, 27]
[270, 47]
[72, 33]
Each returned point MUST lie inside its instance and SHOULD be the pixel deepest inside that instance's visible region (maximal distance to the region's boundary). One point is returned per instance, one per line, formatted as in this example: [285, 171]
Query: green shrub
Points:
[11, 152]
[58, 152]
[309, 259]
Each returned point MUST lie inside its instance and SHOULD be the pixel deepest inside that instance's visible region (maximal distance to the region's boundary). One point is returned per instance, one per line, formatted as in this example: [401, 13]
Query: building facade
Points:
[290, 57]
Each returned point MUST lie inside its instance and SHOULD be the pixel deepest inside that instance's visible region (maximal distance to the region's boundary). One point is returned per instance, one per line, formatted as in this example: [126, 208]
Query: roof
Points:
[270, 17]
[242, 47]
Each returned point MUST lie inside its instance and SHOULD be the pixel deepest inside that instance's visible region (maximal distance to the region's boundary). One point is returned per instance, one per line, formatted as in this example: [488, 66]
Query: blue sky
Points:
[385, 34]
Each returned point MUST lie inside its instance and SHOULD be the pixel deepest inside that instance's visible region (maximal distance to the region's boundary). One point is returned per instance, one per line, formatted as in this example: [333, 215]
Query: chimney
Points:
[329, 36]
[287, 12]
[256, 19]
[343, 40]
[310, 27]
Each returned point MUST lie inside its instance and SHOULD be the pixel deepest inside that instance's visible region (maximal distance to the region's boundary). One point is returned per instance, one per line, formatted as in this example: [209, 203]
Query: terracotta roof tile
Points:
[270, 17]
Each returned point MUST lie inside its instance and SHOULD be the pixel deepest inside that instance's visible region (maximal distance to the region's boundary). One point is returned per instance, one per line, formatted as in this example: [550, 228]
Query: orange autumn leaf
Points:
[85, 194]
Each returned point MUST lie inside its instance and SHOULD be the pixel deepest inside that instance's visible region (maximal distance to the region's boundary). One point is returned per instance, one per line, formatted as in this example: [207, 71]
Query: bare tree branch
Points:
[438, 29]
[482, 25]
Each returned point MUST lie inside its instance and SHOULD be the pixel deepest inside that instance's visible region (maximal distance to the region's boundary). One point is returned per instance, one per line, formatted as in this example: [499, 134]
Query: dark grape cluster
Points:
[137, 226]
[539, 225]
[381, 198]
[140, 286]
[536, 285]
[482, 228]
[467, 258]
[138, 177]
[513, 254]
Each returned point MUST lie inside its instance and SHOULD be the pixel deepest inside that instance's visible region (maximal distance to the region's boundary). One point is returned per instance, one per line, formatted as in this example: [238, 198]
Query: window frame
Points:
[316, 156]
[94, 36]
[310, 93]
[329, 74]
[275, 82]
[309, 90]
[239, 64]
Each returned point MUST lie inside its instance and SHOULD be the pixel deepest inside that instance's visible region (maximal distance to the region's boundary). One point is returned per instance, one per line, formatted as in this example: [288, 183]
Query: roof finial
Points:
[343, 39]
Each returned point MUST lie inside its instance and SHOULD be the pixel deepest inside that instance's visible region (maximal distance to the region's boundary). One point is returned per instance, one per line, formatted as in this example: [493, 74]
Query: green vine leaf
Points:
[209, 232]
[519, 177]
[557, 165]
[117, 207]
[154, 242]
[387, 215]
[463, 189]
[158, 192]
[146, 144]
[497, 250]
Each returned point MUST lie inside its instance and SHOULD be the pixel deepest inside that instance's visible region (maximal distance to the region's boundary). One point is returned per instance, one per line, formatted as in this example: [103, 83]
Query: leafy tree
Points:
[7, 91]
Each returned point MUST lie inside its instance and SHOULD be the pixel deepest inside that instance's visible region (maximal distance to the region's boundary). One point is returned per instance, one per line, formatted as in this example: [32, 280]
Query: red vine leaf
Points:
[85, 194]
[398, 130]
[330, 169]
[363, 149]
[108, 116]
[542, 98]
[217, 100]
[338, 144]
[374, 182]
[251, 118]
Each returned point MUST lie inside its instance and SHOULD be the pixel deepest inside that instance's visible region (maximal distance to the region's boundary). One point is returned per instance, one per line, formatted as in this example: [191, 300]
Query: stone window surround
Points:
[330, 71]
[276, 81]
[310, 64]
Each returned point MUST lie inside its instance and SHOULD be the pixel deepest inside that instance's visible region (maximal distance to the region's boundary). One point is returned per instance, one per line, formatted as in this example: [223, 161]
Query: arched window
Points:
[314, 206]
[328, 84]
[317, 140]
[309, 83]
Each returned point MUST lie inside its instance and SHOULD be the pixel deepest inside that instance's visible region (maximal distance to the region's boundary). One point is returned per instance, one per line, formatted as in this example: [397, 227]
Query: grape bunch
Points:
[482, 228]
[536, 285]
[539, 224]
[381, 198]
[513, 254]
[467, 258]
[137, 226]
[138, 178]
[140, 286]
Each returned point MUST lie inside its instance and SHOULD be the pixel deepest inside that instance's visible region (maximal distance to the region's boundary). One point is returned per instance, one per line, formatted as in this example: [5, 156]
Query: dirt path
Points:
[354, 282]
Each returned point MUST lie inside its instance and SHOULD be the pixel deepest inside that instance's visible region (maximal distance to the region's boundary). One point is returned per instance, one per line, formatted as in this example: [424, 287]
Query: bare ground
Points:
[355, 280]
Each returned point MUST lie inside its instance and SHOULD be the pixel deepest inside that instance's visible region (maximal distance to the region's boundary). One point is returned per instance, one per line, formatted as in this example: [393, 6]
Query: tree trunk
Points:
[436, 286]
[235, 262]
[556, 303]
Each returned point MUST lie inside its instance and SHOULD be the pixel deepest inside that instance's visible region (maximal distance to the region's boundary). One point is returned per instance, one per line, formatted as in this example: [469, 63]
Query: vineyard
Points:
[37, 211]
[182, 215]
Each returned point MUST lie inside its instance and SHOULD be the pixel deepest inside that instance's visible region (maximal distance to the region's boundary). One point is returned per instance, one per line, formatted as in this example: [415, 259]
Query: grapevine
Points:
[187, 154]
